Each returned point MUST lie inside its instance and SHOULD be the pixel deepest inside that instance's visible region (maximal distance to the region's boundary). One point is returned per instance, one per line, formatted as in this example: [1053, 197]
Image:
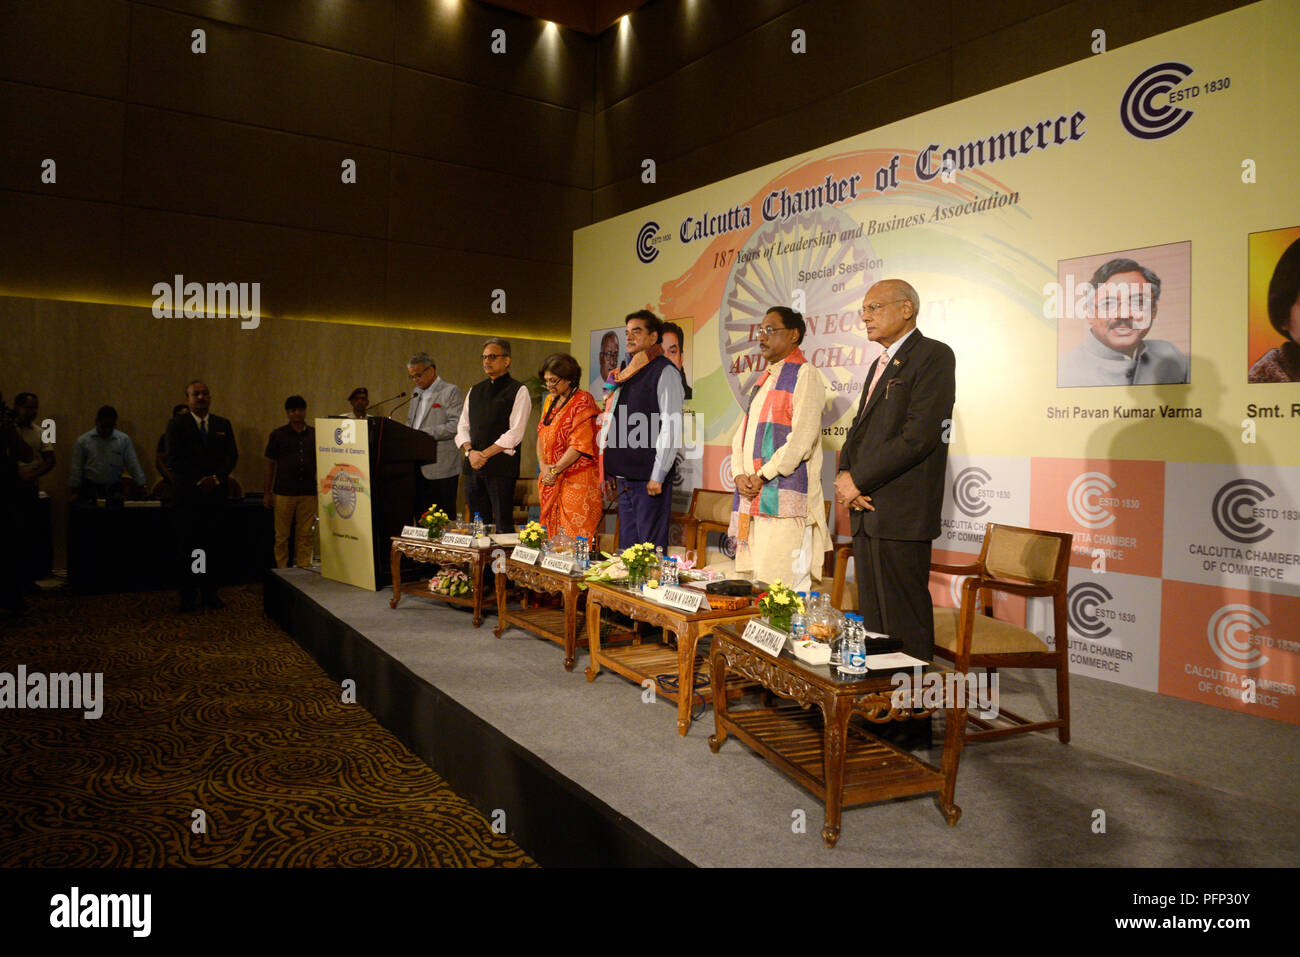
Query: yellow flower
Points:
[781, 598]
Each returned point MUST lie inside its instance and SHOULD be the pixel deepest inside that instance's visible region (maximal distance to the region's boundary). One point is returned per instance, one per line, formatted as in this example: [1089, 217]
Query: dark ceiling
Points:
[589, 16]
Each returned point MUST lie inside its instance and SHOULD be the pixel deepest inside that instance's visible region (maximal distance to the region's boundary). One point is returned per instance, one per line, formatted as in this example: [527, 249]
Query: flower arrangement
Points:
[434, 519]
[778, 604]
[533, 535]
[452, 582]
[639, 559]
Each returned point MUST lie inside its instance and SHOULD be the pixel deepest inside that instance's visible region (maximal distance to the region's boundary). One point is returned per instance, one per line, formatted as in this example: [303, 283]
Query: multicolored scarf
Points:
[785, 496]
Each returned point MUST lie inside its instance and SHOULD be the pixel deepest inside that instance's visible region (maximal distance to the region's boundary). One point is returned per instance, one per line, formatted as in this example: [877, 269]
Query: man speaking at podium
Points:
[435, 409]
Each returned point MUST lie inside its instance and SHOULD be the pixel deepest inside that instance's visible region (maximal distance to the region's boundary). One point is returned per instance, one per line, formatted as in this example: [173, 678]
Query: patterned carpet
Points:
[219, 712]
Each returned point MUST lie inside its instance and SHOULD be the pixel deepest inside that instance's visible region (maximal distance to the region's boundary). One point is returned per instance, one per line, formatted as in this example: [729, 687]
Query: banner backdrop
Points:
[343, 502]
[1148, 192]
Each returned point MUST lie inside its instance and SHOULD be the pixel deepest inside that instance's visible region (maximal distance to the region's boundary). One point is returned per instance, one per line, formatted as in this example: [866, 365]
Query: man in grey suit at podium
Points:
[435, 409]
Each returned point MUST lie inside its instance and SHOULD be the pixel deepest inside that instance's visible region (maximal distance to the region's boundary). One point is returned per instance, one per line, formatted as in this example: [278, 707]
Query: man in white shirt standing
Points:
[491, 426]
[435, 408]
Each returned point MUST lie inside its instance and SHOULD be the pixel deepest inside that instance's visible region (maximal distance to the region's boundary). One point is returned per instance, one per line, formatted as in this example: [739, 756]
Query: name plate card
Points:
[458, 541]
[414, 531]
[764, 636]
[558, 563]
[524, 554]
[687, 599]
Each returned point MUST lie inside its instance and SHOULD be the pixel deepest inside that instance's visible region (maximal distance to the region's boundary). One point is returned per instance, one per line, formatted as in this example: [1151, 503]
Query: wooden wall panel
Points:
[75, 45]
[193, 164]
[82, 134]
[257, 78]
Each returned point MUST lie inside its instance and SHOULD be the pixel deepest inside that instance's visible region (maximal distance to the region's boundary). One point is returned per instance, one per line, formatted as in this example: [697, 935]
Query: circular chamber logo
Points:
[1082, 603]
[1081, 499]
[1140, 115]
[724, 474]
[646, 250]
[1233, 510]
[966, 491]
[1229, 631]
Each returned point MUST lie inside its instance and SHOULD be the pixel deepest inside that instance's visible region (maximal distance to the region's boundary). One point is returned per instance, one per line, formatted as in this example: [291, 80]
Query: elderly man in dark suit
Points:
[891, 469]
[200, 452]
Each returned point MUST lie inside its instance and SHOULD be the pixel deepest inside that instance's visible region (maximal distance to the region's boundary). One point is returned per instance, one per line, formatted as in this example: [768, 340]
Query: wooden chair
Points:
[1017, 561]
[844, 591]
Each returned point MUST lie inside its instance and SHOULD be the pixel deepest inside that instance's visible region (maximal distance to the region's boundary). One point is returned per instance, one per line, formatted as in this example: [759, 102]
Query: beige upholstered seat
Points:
[1017, 561]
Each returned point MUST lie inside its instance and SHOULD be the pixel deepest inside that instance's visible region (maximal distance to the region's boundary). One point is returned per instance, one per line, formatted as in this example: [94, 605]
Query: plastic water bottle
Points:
[546, 543]
[674, 572]
[583, 554]
[478, 525]
[798, 629]
[854, 654]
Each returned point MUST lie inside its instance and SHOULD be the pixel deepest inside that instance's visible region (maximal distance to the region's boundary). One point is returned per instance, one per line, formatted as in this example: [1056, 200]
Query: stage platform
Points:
[586, 774]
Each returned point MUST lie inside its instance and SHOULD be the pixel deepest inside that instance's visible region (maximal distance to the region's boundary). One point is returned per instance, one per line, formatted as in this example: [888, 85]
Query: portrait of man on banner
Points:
[1124, 318]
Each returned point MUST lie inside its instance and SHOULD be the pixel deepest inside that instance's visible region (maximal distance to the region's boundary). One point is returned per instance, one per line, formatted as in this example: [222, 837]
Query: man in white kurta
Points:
[789, 549]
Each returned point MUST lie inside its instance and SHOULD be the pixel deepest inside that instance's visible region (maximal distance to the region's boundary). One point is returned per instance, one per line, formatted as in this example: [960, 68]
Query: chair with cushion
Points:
[709, 511]
[1017, 561]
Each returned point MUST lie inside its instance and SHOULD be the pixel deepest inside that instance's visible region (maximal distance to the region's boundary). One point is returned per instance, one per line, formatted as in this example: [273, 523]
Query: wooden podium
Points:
[396, 454]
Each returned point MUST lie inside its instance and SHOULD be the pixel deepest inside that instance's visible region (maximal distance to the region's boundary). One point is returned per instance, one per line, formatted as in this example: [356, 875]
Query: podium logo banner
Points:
[343, 503]
[1233, 525]
[1232, 648]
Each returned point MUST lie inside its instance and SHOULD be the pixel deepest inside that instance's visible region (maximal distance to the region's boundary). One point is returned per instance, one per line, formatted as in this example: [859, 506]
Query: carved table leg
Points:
[686, 643]
[836, 715]
[593, 637]
[501, 603]
[954, 740]
[478, 591]
[395, 564]
[719, 684]
[570, 596]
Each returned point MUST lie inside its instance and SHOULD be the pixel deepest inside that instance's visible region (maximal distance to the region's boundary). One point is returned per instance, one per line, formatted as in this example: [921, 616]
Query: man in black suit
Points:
[891, 469]
[200, 452]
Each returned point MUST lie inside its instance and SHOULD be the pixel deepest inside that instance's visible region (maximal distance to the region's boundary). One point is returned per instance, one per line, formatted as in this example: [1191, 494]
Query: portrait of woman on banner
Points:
[569, 481]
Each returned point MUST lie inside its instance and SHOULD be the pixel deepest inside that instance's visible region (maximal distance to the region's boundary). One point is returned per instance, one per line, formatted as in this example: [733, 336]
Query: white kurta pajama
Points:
[790, 550]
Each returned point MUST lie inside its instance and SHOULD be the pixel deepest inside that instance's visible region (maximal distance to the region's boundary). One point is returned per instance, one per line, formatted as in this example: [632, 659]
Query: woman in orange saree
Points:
[569, 483]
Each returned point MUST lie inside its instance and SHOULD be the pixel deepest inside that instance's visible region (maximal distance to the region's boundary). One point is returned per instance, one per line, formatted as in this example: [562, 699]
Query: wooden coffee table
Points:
[558, 625]
[434, 551]
[641, 662]
[840, 764]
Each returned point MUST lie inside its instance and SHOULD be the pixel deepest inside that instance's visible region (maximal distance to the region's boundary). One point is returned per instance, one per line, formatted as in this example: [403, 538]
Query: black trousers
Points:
[440, 491]
[894, 591]
[493, 497]
[198, 527]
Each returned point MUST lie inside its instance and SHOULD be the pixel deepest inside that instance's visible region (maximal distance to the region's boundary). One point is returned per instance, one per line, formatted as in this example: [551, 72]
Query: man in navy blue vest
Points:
[643, 434]
[491, 426]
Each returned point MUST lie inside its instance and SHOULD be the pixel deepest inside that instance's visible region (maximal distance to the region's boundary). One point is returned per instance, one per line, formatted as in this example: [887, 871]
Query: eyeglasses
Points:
[1113, 307]
[414, 375]
[765, 331]
[493, 356]
[550, 382]
[609, 355]
[872, 308]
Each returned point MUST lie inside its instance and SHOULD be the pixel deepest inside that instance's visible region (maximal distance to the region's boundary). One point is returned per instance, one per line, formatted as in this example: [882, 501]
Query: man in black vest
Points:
[643, 434]
[199, 449]
[491, 426]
